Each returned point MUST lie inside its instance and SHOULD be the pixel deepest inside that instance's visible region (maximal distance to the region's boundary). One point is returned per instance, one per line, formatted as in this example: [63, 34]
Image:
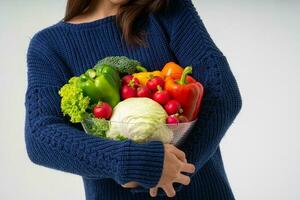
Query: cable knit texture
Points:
[63, 50]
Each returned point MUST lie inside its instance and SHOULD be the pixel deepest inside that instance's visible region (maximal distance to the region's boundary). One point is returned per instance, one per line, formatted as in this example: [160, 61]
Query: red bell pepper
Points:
[187, 91]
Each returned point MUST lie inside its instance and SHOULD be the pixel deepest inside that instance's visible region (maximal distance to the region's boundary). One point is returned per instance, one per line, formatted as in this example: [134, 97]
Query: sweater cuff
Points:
[142, 163]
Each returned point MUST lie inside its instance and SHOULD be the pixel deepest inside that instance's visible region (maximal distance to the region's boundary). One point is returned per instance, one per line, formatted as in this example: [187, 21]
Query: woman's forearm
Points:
[52, 142]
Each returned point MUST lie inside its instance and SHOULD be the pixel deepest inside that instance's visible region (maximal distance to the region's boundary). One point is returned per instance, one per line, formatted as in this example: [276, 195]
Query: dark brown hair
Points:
[130, 14]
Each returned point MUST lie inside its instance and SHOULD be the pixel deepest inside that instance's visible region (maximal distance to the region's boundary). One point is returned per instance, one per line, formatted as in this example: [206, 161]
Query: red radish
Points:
[128, 92]
[102, 110]
[161, 97]
[172, 107]
[172, 120]
[151, 85]
[143, 91]
[126, 79]
[154, 82]
[135, 82]
[130, 81]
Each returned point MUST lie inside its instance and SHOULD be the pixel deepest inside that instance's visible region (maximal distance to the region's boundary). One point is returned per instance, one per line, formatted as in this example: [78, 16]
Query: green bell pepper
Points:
[88, 87]
[110, 90]
[101, 85]
[103, 68]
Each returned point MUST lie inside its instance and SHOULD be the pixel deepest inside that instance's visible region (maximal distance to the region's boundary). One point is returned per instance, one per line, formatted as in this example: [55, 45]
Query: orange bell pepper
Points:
[171, 69]
[187, 91]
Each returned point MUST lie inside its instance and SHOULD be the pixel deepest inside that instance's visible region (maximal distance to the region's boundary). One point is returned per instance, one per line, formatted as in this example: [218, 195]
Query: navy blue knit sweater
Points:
[63, 50]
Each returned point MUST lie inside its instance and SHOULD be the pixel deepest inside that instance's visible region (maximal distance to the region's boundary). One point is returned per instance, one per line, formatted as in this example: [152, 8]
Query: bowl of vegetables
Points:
[119, 99]
[138, 119]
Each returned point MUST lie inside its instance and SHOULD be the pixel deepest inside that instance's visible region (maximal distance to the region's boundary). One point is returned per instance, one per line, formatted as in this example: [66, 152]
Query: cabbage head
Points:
[141, 120]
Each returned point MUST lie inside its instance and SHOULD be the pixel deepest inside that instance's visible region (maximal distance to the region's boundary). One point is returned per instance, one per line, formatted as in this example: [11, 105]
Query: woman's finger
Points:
[183, 179]
[188, 168]
[169, 190]
[179, 154]
[153, 192]
[131, 184]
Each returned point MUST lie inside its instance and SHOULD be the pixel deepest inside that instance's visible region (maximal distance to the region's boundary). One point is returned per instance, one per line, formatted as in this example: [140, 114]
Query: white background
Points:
[261, 40]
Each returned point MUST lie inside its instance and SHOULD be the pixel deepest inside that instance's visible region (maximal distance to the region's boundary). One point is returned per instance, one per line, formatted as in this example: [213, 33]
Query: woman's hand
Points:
[131, 184]
[174, 163]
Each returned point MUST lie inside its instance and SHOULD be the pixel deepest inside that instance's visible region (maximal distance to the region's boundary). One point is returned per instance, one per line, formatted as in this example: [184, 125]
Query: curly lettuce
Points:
[73, 102]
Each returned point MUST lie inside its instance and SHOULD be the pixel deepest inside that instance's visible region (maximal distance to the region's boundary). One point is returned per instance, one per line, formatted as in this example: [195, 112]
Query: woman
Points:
[153, 32]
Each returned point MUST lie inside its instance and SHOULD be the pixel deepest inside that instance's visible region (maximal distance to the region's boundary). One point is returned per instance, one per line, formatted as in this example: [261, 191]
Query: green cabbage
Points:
[141, 120]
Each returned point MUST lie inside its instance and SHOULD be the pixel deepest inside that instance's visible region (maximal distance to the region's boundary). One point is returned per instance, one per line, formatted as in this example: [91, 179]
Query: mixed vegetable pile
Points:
[120, 99]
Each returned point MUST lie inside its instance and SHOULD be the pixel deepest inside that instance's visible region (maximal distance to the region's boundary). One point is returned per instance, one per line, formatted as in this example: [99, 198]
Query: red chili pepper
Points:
[187, 91]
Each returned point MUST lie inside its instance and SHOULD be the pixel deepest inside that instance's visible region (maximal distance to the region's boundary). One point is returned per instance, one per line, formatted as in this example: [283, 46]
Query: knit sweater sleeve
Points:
[53, 142]
[192, 45]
